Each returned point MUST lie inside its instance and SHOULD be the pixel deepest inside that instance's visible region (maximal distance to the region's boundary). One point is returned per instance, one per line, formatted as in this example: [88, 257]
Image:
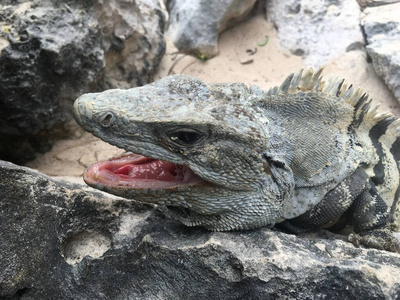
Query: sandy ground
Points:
[268, 67]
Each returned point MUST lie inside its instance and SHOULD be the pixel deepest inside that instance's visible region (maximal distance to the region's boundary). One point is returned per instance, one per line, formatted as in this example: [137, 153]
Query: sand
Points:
[266, 68]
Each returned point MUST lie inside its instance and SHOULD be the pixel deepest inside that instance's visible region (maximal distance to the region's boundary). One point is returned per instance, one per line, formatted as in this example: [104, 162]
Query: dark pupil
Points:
[186, 137]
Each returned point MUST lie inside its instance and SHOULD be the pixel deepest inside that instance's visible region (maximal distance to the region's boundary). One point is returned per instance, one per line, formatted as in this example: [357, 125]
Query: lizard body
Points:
[308, 153]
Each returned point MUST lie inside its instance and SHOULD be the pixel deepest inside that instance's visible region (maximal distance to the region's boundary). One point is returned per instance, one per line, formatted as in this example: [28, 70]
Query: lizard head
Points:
[198, 149]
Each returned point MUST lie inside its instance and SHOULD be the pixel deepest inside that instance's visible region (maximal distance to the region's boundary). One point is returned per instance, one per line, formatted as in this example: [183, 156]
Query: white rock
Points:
[382, 29]
[317, 30]
[194, 25]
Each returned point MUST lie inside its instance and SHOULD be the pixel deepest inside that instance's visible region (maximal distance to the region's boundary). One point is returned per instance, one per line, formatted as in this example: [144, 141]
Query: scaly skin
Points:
[228, 157]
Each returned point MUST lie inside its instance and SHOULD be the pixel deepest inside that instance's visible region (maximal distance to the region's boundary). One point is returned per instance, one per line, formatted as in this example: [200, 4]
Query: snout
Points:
[76, 112]
[83, 108]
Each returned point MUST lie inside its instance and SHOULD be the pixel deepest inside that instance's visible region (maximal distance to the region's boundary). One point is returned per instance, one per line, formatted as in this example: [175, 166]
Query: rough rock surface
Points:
[52, 51]
[62, 241]
[317, 30]
[371, 3]
[133, 40]
[382, 30]
[194, 25]
[47, 54]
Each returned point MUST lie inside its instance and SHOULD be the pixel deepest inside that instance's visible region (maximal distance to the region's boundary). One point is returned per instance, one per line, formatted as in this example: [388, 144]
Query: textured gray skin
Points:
[308, 152]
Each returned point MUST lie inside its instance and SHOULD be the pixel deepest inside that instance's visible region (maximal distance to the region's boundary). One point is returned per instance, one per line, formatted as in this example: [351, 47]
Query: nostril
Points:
[107, 119]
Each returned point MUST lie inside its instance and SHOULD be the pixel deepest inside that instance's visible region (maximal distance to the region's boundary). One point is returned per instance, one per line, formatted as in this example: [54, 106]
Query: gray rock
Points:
[317, 30]
[63, 241]
[194, 25]
[382, 30]
[53, 51]
[133, 39]
[48, 53]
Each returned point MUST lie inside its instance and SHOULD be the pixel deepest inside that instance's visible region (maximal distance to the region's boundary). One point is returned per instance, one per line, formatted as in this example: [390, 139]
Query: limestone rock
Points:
[317, 30]
[48, 53]
[194, 25]
[53, 51]
[133, 40]
[371, 3]
[64, 241]
[382, 30]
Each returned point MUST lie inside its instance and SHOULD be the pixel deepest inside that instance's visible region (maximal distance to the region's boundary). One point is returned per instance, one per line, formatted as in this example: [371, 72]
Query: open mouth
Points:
[139, 172]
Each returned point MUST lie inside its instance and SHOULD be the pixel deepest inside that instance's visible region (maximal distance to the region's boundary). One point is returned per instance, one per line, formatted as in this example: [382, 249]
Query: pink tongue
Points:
[153, 169]
[139, 172]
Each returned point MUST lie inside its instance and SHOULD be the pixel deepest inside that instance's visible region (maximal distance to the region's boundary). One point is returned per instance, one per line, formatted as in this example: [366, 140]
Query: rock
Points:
[317, 30]
[64, 241]
[50, 230]
[371, 3]
[48, 54]
[382, 30]
[133, 39]
[52, 52]
[194, 25]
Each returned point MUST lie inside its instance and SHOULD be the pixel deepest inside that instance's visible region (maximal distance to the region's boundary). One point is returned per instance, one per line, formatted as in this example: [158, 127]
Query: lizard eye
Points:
[185, 137]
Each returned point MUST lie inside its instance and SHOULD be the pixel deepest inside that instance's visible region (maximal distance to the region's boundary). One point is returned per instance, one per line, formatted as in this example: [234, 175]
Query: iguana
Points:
[309, 153]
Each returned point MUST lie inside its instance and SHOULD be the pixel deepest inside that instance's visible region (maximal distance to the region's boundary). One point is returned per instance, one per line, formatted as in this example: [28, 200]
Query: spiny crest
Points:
[336, 87]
